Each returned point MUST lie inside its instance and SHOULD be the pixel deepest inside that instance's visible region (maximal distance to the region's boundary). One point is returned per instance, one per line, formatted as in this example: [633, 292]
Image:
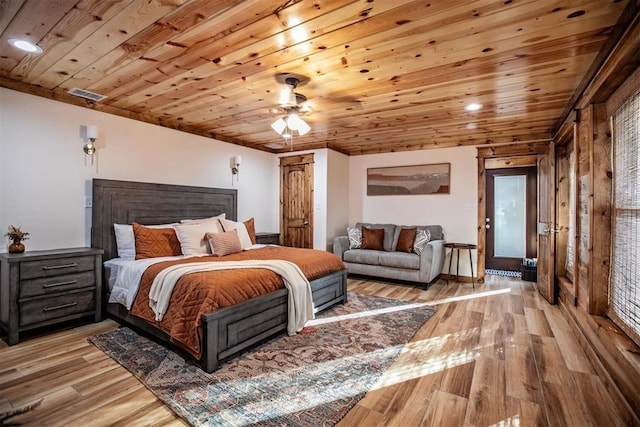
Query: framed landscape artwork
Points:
[417, 179]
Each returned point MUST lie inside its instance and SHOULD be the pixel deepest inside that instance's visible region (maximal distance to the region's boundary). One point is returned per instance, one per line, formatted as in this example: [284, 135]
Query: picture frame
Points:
[425, 179]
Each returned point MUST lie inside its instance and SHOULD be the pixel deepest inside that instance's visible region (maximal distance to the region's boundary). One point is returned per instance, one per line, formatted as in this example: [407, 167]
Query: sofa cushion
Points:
[400, 260]
[362, 256]
[389, 229]
[434, 230]
[405, 240]
[372, 238]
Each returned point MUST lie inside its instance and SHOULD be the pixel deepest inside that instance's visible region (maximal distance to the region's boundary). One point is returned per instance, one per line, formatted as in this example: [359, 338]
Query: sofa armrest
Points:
[340, 245]
[432, 260]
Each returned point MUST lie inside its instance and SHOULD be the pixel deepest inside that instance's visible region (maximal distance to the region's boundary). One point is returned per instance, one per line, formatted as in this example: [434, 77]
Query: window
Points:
[571, 240]
[624, 289]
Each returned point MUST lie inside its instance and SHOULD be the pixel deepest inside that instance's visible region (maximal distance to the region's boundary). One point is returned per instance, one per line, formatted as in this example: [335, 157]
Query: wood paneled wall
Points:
[616, 357]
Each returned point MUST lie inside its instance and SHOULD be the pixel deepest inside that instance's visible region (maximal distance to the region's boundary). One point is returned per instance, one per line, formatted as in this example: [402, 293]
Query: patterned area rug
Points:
[310, 379]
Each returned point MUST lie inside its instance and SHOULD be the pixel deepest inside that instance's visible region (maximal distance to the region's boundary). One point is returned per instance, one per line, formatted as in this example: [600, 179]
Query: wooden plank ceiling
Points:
[384, 75]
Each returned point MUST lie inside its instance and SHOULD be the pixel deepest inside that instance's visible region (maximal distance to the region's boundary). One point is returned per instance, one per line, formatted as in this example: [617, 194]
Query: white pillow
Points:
[192, 236]
[126, 242]
[198, 221]
[243, 234]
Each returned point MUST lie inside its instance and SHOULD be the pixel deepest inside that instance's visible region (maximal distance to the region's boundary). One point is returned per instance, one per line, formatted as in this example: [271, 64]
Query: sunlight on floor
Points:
[509, 422]
[326, 320]
[413, 364]
[470, 296]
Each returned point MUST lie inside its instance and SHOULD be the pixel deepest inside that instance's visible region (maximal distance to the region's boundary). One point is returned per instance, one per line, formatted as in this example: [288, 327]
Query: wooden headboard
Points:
[124, 202]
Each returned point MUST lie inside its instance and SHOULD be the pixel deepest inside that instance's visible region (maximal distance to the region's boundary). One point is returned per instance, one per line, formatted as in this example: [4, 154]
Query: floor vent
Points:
[86, 94]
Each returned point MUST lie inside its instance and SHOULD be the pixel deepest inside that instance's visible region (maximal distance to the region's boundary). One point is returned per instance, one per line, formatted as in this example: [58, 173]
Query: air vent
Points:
[86, 94]
[275, 145]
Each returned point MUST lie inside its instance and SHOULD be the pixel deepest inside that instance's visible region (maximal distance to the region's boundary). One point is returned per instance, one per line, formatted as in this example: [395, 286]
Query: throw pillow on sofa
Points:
[406, 239]
[372, 238]
[422, 238]
[355, 238]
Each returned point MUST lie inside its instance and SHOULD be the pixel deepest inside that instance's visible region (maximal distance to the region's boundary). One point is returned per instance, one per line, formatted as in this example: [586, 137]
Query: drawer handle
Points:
[56, 267]
[58, 307]
[53, 285]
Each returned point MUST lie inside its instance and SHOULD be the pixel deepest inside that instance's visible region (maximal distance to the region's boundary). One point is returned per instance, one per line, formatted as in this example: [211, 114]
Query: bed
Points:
[226, 331]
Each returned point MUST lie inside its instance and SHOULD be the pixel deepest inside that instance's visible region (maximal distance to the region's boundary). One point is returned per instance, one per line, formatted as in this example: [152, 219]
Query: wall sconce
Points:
[90, 147]
[234, 163]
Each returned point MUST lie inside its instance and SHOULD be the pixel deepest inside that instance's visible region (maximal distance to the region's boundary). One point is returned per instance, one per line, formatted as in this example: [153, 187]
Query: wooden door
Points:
[510, 224]
[296, 201]
[546, 225]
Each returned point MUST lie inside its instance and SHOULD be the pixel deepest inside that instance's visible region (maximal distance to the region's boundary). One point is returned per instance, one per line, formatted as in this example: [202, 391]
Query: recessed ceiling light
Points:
[474, 106]
[25, 45]
[472, 125]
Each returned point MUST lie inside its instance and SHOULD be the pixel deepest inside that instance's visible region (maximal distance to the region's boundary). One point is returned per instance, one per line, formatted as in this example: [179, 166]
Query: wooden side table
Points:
[43, 288]
[268, 238]
[457, 247]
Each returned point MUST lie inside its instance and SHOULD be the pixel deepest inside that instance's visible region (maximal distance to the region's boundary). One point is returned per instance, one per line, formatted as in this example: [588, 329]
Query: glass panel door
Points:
[510, 215]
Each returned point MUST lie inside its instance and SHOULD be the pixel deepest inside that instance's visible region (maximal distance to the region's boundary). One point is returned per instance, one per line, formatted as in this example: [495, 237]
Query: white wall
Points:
[45, 177]
[337, 197]
[456, 212]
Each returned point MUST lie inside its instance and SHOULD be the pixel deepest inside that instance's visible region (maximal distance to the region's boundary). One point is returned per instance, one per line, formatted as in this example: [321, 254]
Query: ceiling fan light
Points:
[279, 125]
[294, 121]
[303, 128]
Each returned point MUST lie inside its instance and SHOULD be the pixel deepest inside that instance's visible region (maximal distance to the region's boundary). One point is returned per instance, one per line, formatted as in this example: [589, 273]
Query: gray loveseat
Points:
[424, 268]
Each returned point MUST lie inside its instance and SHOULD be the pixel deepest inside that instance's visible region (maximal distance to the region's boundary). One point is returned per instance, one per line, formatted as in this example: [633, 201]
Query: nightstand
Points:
[44, 288]
[268, 238]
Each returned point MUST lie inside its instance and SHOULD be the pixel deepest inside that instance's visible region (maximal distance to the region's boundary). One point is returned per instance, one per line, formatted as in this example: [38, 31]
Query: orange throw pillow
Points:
[372, 238]
[224, 243]
[155, 242]
[251, 229]
[405, 239]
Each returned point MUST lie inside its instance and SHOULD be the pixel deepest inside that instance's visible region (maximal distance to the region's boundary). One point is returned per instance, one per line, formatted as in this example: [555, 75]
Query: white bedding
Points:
[124, 276]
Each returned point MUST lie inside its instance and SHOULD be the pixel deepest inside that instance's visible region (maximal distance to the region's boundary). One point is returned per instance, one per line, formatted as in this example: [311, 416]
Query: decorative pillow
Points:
[228, 225]
[251, 229]
[192, 236]
[155, 242]
[355, 238]
[422, 238]
[405, 239]
[125, 241]
[198, 221]
[224, 243]
[372, 238]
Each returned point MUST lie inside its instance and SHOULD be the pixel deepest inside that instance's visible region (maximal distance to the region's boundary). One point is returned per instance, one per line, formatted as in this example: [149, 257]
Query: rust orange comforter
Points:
[199, 293]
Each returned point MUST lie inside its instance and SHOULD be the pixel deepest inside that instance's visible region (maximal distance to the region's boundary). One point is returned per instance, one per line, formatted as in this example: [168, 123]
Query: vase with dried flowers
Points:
[16, 236]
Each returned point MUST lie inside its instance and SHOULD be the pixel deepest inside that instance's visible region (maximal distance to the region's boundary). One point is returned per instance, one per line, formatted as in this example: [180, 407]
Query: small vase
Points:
[16, 248]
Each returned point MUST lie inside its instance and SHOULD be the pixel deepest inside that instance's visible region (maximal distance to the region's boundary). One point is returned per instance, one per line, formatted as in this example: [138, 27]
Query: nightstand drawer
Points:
[55, 266]
[55, 284]
[43, 309]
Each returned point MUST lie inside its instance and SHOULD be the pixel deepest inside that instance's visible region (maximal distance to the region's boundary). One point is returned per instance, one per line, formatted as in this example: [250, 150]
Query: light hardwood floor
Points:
[496, 355]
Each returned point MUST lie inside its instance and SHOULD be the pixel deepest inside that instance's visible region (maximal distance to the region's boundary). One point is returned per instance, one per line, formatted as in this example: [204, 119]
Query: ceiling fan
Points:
[292, 104]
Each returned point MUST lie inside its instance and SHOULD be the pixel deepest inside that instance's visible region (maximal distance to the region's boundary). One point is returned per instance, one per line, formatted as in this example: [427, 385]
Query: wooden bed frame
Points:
[227, 331]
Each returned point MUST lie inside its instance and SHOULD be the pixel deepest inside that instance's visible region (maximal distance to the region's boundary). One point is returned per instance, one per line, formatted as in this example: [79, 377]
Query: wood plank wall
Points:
[615, 356]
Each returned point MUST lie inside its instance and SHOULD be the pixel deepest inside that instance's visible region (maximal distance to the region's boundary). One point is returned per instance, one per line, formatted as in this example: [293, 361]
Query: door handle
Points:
[305, 222]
